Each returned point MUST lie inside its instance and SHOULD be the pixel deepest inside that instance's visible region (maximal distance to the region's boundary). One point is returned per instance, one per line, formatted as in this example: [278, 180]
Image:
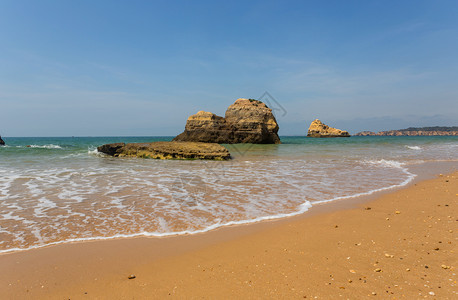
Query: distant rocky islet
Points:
[318, 129]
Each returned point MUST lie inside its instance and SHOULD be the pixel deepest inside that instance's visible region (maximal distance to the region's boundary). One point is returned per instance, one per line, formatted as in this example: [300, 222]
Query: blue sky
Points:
[98, 68]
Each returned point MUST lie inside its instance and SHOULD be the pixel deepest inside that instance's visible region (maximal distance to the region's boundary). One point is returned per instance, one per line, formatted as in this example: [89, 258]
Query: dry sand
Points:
[400, 245]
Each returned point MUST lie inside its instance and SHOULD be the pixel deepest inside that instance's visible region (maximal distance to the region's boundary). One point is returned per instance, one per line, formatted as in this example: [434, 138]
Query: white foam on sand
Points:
[303, 208]
[157, 198]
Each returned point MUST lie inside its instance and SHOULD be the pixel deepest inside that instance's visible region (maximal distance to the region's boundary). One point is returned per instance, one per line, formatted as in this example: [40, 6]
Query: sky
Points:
[140, 68]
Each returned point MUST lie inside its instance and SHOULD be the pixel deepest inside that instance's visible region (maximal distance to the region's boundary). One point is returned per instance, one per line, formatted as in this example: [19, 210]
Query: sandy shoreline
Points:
[353, 253]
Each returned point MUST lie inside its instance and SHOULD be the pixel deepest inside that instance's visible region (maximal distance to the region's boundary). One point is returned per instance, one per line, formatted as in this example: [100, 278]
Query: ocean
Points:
[60, 190]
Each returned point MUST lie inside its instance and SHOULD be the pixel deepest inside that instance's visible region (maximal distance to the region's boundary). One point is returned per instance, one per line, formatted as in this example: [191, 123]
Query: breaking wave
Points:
[413, 147]
[50, 146]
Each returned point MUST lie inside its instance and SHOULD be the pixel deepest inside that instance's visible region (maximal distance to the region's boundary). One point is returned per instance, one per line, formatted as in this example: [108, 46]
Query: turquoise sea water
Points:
[55, 190]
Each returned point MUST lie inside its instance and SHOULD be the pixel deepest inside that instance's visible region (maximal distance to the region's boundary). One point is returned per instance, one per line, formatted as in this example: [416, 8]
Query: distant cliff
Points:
[415, 131]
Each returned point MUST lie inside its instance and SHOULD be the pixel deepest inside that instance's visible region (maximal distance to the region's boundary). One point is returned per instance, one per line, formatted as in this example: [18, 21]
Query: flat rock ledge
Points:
[167, 150]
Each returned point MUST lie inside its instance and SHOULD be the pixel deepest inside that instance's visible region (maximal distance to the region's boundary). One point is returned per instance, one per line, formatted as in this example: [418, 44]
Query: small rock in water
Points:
[132, 276]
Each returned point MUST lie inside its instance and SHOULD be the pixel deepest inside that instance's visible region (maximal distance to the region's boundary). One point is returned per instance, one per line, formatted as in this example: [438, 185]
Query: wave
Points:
[386, 163]
[95, 152]
[302, 209]
[302, 204]
[49, 146]
[404, 183]
[413, 147]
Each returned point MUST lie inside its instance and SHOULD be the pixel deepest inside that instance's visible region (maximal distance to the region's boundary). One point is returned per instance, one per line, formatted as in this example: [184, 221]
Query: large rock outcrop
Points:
[2, 142]
[167, 150]
[320, 130]
[246, 121]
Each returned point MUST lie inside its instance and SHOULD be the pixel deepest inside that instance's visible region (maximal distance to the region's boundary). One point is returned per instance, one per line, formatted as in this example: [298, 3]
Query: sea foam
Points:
[50, 146]
[413, 147]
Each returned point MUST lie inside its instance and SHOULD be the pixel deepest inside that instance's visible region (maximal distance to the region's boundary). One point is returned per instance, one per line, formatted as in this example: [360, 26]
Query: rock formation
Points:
[318, 129]
[365, 133]
[111, 149]
[246, 121]
[167, 150]
[415, 131]
[2, 142]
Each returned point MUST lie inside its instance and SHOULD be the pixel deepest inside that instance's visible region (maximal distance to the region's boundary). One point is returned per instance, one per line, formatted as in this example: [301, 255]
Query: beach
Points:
[400, 244]
[228, 150]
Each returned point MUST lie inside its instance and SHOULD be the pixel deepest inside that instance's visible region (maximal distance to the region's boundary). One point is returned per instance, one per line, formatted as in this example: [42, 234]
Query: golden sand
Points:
[400, 245]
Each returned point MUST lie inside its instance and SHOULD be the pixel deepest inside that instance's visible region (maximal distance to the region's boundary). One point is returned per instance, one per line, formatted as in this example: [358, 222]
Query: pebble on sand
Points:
[131, 276]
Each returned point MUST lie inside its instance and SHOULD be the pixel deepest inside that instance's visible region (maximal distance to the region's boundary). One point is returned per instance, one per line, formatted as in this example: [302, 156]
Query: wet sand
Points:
[399, 245]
